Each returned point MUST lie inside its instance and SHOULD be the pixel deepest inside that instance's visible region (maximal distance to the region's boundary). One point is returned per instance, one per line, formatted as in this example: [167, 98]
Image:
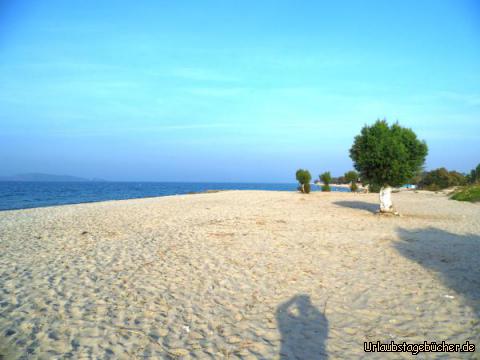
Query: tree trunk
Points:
[386, 205]
[303, 188]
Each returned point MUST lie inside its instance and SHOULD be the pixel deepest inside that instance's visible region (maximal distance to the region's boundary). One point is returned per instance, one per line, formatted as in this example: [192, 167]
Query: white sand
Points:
[238, 274]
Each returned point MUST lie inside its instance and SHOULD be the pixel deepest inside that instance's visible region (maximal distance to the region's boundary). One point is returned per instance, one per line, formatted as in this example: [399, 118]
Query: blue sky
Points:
[231, 90]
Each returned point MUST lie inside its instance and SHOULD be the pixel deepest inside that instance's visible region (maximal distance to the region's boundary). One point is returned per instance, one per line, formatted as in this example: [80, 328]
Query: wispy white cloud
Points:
[187, 73]
[62, 64]
[121, 130]
[202, 74]
[471, 99]
[217, 92]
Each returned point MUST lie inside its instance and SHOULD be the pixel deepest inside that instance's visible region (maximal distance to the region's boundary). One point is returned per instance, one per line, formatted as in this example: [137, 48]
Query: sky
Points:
[240, 91]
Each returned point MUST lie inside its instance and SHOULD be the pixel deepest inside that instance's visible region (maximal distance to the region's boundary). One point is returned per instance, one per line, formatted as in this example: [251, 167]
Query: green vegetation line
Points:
[468, 193]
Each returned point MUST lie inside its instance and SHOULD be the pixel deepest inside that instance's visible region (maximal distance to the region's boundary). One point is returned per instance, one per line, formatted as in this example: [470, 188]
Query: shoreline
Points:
[87, 201]
[137, 198]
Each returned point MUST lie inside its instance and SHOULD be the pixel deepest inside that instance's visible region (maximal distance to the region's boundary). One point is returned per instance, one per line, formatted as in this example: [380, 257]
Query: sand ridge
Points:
[238, 274]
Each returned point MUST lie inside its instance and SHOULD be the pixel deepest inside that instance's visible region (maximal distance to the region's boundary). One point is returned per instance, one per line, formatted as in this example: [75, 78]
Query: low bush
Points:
[326, 178]
[306, 188]
[353, 186]
[468, 193]
[303, 177]
[474, 176]
[441, 178]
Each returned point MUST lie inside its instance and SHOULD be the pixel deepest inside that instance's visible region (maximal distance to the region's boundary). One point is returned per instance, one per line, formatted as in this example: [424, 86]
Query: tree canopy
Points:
[326, 177]
[441, 179]
[474, 176]
[351, 176]
[387, 155]
[304, 177]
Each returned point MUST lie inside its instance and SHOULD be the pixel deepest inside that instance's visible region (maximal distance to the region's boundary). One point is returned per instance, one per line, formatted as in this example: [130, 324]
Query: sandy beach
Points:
[239, 275]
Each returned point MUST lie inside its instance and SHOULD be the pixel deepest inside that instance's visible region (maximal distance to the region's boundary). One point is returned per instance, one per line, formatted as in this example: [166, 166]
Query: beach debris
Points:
[449, 296]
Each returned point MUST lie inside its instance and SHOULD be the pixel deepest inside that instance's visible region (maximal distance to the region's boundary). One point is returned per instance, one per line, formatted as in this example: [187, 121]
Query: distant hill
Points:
[46, 178]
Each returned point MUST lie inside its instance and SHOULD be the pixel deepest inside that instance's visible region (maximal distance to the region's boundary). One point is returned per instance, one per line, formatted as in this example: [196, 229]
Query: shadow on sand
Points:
[455, 258]
[304, 329]
[361, 205]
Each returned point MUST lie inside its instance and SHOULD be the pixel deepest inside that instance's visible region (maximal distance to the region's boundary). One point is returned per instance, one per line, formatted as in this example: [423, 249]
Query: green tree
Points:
[374, 188]
[352, 178]
[326, 178]
[303, 177]
[456, 179]
[474, 176]
[417, 178]
[306, 188]
[387, 156]
[441, 179]
[435, 180]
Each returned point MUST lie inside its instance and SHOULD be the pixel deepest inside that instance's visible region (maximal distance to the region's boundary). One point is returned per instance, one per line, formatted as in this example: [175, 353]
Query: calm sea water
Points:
[23, 195]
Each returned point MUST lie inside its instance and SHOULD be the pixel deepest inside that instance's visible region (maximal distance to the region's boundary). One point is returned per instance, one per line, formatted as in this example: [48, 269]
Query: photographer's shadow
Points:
[304, 329]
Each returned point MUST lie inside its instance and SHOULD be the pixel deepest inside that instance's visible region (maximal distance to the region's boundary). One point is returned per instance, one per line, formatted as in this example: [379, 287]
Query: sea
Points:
[23, 194]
